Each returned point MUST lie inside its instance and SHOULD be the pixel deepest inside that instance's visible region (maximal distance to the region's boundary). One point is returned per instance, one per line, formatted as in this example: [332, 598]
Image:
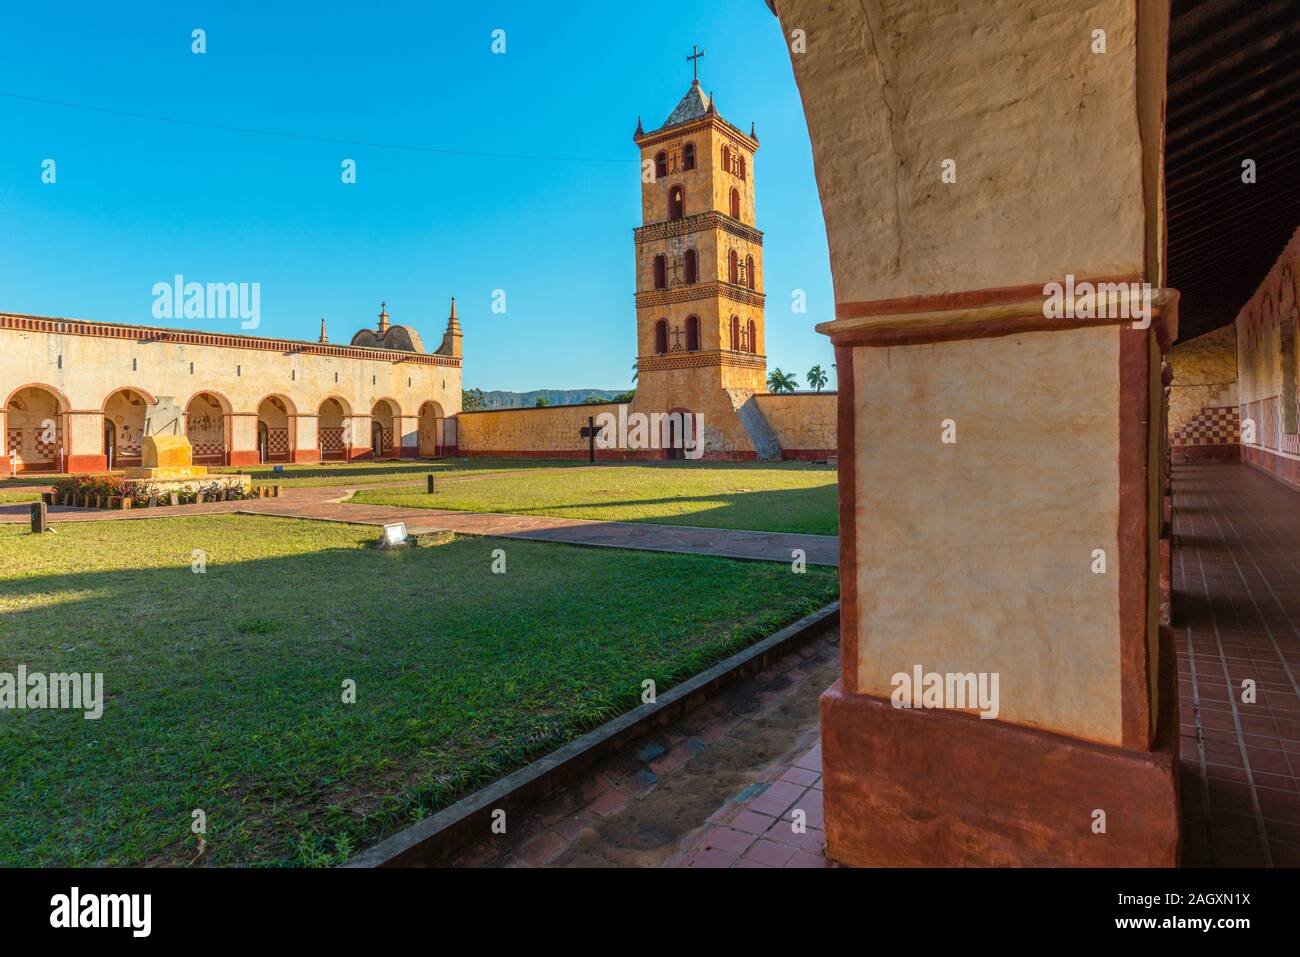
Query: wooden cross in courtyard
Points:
[695, 58]
[589, 432]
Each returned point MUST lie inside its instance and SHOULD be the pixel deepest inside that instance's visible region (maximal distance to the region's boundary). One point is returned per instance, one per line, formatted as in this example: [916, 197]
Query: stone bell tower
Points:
[699, 277]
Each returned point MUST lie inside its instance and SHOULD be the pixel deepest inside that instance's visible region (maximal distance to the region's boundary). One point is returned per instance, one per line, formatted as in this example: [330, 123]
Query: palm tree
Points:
[817, 378]
[635, 371]
[778, 381]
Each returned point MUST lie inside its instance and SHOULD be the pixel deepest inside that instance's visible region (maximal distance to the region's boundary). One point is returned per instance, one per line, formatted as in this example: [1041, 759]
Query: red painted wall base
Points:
[808, 455]
[244, 457]
[941, 788]
[604, 455]
[306, 456]
[1286, 471]
[86, 463]
[1184, 454]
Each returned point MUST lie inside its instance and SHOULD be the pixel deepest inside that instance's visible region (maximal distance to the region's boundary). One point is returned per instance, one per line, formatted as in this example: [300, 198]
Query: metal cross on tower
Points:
[695, 58]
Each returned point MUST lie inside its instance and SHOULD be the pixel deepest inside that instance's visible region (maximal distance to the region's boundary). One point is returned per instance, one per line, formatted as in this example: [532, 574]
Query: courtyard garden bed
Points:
[223, 689]
[112, 491]
[793, 498]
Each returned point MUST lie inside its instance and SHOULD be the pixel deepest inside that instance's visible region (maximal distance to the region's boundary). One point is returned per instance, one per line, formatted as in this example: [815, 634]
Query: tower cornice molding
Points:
[698, 223]
[663, 134]
[649, 298]
[656, 362]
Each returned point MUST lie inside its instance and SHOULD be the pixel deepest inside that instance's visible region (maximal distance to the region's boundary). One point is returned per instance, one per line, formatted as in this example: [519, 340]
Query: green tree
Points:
[778, 381]
[472, 399]
[542, 402]
[817, 378]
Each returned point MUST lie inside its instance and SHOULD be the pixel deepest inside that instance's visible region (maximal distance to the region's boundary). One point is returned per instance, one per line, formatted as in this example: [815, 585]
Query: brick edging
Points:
[433, 841]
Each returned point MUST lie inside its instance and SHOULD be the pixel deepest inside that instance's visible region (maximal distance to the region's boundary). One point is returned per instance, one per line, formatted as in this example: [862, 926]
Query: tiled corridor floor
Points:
[1236, 575]
[721, 788]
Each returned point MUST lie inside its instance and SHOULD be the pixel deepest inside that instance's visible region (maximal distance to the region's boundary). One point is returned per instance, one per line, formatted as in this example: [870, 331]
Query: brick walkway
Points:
[716, 788]
[1236, 572]
[325, 504]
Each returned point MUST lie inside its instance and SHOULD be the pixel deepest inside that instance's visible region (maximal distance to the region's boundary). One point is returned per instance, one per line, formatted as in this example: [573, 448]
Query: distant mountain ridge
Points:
[500, 399]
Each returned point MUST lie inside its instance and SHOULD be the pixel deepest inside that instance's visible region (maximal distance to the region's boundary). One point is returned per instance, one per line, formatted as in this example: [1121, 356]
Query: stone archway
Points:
[276, 417]
[36, 429]
[333, 426]
[123, 432]
[432, 430]
[384, 416]
[942, 256]
[207, 426]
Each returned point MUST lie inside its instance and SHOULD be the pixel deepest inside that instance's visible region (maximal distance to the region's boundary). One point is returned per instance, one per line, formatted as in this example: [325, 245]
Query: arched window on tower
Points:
[749, 271]
[735, 333]
[692, 333]
[691, 269]
[726, 159]
[753, 336]
[661, 164]
[741, 158]
[735, 203]
[676, 203]
[688, 156]
[733, 267]
[661, 336]
[661, 272]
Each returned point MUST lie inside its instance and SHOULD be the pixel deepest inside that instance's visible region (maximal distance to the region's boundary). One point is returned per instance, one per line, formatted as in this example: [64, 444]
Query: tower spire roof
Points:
[692, 106]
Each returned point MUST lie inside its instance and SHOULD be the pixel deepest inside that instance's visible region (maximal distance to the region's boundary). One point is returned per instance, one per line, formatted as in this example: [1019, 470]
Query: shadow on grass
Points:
[224, 690]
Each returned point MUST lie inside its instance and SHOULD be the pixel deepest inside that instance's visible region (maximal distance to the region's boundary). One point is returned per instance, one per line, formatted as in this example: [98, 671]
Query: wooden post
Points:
[40, 521]
[429, 479]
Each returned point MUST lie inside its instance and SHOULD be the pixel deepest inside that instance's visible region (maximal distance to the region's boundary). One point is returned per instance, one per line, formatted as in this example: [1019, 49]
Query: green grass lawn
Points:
[223, 689]
[10, 498]
[369, 473]
[790, 498]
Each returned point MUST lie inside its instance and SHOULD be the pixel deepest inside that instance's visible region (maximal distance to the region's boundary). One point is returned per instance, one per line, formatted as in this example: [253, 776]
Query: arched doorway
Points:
[332, 419]
[432, 437]
[275, 421]
[678, 433]
[383, 417]
[206, 425]
[124, 427]
[35, 429]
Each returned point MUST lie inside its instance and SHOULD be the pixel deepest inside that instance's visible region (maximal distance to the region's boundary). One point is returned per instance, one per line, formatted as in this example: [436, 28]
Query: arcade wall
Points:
[1267, 371]
[72, 374]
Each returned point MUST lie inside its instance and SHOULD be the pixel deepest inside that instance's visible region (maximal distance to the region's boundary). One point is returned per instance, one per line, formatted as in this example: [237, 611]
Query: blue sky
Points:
[548, 217]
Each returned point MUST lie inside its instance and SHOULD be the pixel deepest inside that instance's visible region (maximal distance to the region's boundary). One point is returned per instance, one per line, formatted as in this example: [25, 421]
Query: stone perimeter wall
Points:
[805, 425]
[550, 432]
